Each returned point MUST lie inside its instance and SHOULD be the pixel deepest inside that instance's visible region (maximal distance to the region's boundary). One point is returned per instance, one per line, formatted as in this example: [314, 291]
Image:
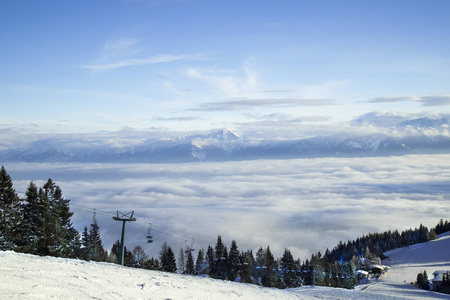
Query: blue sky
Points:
[256, 67]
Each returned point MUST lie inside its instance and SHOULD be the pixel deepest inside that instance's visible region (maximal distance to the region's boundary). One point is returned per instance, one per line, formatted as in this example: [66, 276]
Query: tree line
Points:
[40, 223]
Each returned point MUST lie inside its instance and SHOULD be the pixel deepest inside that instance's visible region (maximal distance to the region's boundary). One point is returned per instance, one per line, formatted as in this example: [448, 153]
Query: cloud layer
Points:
[306, 205]
[242, 104]
[426, 101]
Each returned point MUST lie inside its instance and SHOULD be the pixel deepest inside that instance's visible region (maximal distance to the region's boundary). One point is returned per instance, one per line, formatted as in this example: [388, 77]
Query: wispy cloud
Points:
[426, 101]
[162, 58]
[393, 99]
[120, 48]
[232, 82]
[437, 100]
[243, 103]
[280, 120]
[182, 119]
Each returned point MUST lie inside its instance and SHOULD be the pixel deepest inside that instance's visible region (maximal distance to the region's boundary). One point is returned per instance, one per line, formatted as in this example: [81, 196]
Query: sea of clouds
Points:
[306, 205]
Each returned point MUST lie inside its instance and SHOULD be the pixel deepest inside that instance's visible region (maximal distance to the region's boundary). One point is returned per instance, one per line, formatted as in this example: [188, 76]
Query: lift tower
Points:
[124, 218]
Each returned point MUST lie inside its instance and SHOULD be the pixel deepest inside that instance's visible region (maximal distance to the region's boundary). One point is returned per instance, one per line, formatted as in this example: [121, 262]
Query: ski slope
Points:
[24, 276]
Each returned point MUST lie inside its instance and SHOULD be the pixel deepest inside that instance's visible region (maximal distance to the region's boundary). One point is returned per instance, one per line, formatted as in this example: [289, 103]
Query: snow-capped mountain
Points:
[225, 145]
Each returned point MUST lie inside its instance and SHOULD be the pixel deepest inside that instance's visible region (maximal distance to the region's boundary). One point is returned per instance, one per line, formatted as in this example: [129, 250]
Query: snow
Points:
[24, 276]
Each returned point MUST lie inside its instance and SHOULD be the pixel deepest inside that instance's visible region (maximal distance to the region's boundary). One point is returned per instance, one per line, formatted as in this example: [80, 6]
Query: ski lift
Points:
[149, 235]
[189, 249]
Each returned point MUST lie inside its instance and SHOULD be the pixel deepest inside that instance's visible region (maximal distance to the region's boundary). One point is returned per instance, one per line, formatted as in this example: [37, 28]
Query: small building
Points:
[362, 274]
[438, 279]
[377, 269]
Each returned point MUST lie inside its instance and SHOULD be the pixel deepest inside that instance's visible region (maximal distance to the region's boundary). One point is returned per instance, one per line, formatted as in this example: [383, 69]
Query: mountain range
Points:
[225, 145]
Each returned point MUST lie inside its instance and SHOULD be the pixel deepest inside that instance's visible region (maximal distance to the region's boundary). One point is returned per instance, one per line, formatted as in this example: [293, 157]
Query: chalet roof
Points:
[438, 274]
[377, 267]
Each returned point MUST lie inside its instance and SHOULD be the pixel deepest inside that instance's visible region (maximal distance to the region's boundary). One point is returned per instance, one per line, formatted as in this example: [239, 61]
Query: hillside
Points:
[25, 276]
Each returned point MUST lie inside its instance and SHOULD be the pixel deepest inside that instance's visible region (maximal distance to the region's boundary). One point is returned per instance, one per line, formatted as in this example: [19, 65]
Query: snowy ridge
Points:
[24, 276]
[224, 145]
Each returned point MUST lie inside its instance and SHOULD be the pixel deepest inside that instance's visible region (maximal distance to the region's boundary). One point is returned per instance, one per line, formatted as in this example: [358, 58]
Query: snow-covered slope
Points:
[25, 276]
[405, 263]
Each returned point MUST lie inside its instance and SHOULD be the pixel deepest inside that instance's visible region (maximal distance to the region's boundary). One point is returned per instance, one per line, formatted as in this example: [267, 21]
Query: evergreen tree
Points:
[219, 268]
[152, 264]
[233, 262]
[289, 270]
[171, 261]
[422, 280]
[128, 259]
[163, 256]
[10, 213]
[248, 263]
[65, 238]
[30, 218]
[348, 276]
[44, 224]
[445, 283]
[39, 222]
[190, 266]
[97, 252]
[200, 261]
[167, 259]
[85, 250]
[270, 276]
[210, 258]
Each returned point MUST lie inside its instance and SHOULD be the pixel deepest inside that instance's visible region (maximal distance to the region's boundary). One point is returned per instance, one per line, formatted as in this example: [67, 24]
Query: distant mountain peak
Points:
[223, 134]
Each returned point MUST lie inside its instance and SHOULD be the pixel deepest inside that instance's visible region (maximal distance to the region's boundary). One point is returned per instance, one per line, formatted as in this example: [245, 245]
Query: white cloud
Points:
[304, 204]
[426, 101]
[232, 82]
[247, 103]
[162, 58]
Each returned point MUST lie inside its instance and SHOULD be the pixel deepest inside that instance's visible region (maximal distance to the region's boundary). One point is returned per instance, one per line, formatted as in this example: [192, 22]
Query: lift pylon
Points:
[124, 218]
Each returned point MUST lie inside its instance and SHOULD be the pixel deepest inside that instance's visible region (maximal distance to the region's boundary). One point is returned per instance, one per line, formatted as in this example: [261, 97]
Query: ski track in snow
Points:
[24, 276]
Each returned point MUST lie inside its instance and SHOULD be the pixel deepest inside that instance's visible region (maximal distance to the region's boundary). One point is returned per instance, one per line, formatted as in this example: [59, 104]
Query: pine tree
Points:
[200, 261]
[10, 213]
[190, 266]
[270, 276]
[86, 246]
[44, 224]
[248, 263]
[233, 261]
[65, 238]
[289, 269]
[422, 280]
[128, 259]
[30, 216]
[171, 261]
[97, 252]
[152, 264]
[219, 268]
[167, 259]
[163, 256]
[210, 259]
